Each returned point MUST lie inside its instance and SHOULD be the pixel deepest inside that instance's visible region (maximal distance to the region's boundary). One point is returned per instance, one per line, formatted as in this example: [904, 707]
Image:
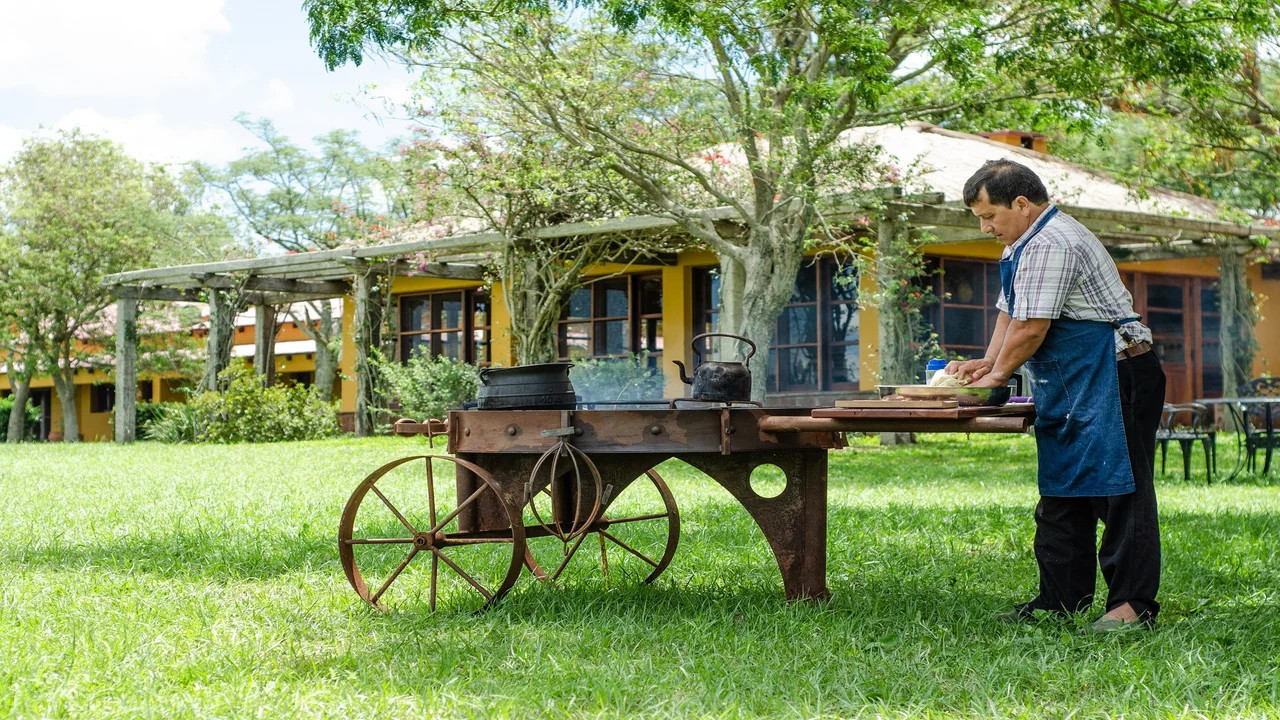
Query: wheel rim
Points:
[633, 533]
[377, 525]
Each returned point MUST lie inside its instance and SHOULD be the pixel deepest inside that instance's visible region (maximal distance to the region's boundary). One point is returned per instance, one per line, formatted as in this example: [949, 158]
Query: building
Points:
[1170, 247]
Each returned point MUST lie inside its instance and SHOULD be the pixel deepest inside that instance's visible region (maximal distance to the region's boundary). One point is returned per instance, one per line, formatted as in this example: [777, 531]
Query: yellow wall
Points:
[347, 367]
[1267, 293]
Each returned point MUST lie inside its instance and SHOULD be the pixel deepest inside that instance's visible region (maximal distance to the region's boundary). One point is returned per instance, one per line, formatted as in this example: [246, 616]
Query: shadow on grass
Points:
[978, 556]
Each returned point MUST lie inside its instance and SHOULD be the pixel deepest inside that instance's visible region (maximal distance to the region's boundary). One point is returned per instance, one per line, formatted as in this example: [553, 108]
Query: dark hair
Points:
[1004, 181]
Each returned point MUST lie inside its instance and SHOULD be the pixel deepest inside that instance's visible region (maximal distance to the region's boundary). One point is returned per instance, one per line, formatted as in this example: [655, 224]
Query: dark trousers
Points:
[1066, 527]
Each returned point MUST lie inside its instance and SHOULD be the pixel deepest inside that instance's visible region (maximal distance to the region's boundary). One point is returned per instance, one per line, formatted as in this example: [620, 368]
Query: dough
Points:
[941, 379]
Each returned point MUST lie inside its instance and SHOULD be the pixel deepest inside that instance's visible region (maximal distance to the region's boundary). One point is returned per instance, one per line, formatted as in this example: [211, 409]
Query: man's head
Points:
[1006, 197]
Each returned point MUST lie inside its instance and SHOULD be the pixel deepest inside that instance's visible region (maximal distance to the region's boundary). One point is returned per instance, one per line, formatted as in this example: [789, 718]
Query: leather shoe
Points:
[1026, 613]
[1107, 624]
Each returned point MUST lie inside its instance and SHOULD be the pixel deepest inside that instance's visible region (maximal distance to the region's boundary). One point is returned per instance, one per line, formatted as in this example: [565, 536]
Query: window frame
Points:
[466, 329]
[706, 312]
[595, 323]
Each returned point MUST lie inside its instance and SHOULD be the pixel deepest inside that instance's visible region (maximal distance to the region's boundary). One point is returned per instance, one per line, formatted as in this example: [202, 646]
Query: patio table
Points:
[1237, 406]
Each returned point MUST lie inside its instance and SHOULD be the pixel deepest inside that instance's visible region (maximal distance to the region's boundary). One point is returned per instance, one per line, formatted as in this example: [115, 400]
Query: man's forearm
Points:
[997, 338]
[1021, 340]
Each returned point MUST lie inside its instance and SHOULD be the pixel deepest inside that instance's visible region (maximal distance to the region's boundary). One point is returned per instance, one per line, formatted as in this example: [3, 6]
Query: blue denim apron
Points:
[1080, 436]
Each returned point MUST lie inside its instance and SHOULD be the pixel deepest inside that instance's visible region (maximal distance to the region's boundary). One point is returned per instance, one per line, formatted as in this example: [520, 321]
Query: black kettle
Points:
[719, 381]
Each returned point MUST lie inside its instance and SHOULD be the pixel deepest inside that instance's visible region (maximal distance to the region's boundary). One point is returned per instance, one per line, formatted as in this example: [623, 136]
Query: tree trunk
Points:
[18, 415]
[896, 355]
[1236, 331]
[264, 344]
[324, 336]
[64, 383]
[126, 410]
[752, 295]
[364, 342]
[222, 321]
[533, 319]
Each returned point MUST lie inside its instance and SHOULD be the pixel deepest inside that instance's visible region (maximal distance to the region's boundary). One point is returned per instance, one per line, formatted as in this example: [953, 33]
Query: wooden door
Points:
[1166, 305]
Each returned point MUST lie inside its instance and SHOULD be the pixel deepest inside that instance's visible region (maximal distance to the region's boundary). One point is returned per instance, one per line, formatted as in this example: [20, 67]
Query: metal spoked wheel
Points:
[406, 511]
[635, 536]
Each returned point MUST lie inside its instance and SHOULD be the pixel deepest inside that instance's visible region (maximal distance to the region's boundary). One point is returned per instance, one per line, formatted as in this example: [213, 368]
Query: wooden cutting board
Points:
[897, 404]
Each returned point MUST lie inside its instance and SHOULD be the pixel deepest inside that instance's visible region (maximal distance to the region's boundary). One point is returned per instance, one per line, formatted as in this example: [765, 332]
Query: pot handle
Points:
[696, 338]
[484, 371]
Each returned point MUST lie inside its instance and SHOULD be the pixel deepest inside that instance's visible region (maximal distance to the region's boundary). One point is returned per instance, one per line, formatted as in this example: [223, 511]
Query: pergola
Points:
[342, 272]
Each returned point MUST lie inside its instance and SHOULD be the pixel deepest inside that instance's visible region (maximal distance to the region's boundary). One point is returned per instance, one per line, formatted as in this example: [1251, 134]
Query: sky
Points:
[166, 78]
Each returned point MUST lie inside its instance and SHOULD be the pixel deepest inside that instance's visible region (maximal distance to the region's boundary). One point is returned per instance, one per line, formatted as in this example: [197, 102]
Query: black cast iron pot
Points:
[545, 386]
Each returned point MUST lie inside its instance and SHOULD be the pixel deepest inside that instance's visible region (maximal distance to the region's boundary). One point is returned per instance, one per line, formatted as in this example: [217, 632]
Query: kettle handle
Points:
[694, 342]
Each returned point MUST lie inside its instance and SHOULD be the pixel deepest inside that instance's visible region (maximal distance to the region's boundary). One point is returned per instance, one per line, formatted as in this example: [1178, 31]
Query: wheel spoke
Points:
[604, 555]
[376, 541]
[628, 548]
[431, 490]
[393, 509]
[449, 542]
[568, 556]
[403, 564]
[435, 573]
[479, 588]
[637, 518]
[462, 505]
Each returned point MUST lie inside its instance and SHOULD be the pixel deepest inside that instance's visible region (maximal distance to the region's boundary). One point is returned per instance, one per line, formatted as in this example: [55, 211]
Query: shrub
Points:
[249, 412]
[425, 386]
[171, 422]
[623, 379]
[31, 424]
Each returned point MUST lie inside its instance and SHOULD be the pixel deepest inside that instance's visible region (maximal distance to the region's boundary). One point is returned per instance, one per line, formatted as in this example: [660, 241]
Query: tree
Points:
[742, 105]
[76, 208]
[514, 185]
[301, 202]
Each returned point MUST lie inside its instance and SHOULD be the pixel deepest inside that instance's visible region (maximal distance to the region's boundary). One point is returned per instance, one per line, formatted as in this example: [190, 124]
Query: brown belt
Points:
[1134, 350]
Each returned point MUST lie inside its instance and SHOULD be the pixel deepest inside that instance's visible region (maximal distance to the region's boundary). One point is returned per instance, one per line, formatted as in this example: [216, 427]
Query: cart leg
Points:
[794, 523]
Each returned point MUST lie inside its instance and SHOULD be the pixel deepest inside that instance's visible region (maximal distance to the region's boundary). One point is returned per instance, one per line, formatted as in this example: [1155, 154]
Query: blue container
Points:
[934, 366]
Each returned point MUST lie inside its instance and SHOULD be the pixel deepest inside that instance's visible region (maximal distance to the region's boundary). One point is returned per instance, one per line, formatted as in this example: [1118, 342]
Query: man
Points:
[1098, 389]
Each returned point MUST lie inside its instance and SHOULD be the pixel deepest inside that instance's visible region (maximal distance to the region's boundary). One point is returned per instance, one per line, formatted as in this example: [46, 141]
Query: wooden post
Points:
[126, 370]
[264, 344]
[363, 341]
[218, 347]
[895, 339]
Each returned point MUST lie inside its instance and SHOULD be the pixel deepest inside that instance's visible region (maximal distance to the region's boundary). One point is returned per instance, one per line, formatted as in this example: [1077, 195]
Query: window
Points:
[965, 314]
[815, 343]
[613, 317]
[452, 324]
[102, 398]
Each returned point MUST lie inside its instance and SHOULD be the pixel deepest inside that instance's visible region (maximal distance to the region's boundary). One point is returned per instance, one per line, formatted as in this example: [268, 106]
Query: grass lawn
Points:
[171, 582]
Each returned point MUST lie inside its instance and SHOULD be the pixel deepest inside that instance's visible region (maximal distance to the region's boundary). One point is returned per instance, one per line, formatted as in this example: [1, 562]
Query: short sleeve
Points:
[1046, 273]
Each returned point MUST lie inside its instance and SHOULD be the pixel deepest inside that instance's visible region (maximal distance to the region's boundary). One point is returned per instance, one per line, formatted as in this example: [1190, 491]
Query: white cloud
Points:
[279, 96]
[146, 136]
[91, 47]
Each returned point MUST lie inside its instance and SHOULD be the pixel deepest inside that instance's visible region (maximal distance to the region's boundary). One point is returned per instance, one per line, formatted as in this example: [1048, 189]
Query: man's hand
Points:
[988, 380]
[975, 369]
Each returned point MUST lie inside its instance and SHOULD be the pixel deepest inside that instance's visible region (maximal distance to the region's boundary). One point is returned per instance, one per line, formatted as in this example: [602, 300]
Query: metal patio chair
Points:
[1261, 421]
[1187, 424]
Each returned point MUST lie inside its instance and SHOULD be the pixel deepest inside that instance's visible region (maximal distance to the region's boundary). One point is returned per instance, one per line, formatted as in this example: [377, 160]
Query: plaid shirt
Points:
[1065, 271]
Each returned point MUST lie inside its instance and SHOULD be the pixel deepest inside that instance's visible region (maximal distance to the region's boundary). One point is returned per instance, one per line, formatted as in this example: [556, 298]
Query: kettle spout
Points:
[684, 378]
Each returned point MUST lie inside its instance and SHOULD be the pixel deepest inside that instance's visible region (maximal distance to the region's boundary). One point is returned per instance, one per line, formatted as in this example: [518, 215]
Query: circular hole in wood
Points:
[768, 481]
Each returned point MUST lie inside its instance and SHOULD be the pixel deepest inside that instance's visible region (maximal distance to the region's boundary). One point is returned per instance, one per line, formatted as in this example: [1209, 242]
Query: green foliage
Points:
[426, 386]
[171, 422]
[617, 379]
[31, 421]
[301, 201]
[248, 412]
